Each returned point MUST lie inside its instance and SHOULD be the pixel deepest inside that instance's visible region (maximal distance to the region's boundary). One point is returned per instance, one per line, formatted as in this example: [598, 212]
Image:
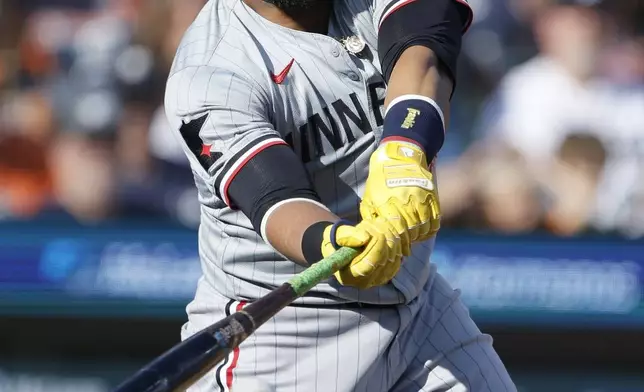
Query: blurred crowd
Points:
[547, 126]
[82, 131]
[557, 143]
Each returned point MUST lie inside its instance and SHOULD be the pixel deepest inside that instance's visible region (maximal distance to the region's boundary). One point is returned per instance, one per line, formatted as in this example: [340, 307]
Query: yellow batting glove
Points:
[380, 258]
[402, 190]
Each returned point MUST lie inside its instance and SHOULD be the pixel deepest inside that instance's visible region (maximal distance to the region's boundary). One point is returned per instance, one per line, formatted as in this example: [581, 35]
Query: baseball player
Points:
[311, 125]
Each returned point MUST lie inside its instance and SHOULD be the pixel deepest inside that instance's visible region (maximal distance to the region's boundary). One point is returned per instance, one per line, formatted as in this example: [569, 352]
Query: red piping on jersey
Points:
[233, 364]
[241, 164]
[471, 19]
[279, 78]
[394, 9]
[399, 6]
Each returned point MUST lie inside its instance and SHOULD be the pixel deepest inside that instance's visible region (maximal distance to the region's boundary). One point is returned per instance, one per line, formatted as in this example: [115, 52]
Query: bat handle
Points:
[322, 270]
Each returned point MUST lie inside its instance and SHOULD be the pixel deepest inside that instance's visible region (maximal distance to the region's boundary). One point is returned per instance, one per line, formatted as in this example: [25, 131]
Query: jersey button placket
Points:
[337, 51]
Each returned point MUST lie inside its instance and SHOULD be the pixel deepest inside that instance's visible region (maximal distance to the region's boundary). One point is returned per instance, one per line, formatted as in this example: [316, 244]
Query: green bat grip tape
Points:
[323, 269]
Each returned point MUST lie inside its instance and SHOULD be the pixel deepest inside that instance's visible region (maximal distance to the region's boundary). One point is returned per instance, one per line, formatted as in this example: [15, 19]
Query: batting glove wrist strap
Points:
[334, 231]
[415, 119]
[312, 240]
[316, 235]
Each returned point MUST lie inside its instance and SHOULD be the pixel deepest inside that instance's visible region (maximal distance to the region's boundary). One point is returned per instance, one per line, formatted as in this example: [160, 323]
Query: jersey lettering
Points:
[345, 113]
[377, 93]
[308, 143]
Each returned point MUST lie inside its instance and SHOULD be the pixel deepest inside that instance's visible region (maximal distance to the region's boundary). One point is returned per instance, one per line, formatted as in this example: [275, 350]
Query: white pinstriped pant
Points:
[430, 345]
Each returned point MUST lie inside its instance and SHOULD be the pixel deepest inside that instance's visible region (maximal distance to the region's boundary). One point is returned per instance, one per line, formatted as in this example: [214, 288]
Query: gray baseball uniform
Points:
[240, 84]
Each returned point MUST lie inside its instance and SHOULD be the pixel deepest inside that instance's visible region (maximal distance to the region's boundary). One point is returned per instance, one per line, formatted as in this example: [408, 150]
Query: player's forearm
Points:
[274, 191]
[419, 44]
[417, 72]
[417, 102]
[286, 225]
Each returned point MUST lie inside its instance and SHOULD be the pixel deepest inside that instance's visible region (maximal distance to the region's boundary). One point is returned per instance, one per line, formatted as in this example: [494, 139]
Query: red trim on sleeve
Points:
[233, 364]
[240, 164]
[393, 9]
[471, 15]
[402, 3]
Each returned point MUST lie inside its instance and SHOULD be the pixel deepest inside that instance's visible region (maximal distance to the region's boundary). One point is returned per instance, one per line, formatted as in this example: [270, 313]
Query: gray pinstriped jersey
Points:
[225, 98]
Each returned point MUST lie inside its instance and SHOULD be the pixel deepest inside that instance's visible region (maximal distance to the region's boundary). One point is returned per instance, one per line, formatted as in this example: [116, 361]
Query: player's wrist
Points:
[316, 235]
[417, 120]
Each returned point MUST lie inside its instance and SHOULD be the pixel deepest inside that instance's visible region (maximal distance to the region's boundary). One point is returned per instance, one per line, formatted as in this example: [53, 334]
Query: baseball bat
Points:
[186, 362]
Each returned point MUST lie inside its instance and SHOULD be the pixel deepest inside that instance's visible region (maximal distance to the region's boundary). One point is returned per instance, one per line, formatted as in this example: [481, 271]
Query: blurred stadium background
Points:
[542, 186]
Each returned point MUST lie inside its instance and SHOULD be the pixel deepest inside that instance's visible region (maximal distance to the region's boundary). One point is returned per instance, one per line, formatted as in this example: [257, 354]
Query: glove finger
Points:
[381, 234]
[398, 249]
[352, 236]
[424, 231]
[425, 212]
[431, 228]
[393, 239]
[364, 267]
[358, 274]
[394, 218]
[367, 211]
[379, 259]
[409, 212]
[361, 272]
[380, 252]
[436, 214]
[430, 217]
[387, 271]
[370, 258]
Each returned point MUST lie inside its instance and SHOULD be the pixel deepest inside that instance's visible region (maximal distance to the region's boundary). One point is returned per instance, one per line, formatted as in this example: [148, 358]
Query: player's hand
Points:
[401, 189]
[380, 258]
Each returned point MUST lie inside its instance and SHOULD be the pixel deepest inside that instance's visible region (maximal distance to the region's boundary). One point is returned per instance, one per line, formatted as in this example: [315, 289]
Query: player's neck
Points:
[313, 19]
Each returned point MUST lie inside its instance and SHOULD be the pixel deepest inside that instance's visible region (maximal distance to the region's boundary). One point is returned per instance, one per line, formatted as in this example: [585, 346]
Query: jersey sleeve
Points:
[223, 121]
[382, 9]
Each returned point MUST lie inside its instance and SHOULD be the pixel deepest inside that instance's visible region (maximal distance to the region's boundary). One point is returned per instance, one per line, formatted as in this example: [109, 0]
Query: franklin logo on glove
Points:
[410, 120]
